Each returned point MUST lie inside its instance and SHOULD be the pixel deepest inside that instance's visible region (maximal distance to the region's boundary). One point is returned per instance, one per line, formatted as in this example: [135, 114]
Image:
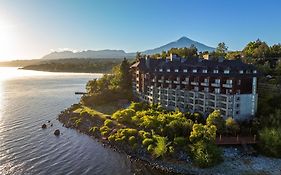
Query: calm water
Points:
[30, 98]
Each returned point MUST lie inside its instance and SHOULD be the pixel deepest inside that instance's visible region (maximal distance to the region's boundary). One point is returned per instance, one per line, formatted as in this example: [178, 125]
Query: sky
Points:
[29, 29]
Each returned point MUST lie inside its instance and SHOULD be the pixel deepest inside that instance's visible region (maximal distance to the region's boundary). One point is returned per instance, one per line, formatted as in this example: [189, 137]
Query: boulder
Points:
[57, 132]
[44, 126]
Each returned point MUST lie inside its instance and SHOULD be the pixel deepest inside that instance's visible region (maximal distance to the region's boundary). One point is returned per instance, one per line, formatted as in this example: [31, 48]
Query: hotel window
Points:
[228, 81]
[168, 70]
[239, 82]
[216, 71]
[184, 70]
[176, 70]
[194, 70]
[254, 71]
[160, 70]
[217, 90]
[217, 81]
[205, 71]
[206, 89]
[226, 71]
[241, 72]
[206, 80]
[196, 88]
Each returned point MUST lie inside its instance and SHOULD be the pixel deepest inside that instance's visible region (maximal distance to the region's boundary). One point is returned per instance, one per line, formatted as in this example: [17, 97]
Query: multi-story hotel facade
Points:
[198, 85]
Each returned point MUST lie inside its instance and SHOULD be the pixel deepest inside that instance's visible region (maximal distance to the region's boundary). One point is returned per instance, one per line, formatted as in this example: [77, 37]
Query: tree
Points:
[275, 51]
[270, 141]
[221, 50]
[216, 119]
[205, 155]
[256, 49]
[204, 133]
[231, 125]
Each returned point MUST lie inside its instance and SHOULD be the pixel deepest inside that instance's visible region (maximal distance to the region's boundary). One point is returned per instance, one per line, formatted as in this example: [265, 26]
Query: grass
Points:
[108, 108]
[92, 112]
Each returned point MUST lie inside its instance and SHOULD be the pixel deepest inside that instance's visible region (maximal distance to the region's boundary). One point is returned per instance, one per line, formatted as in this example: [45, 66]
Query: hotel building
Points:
[198, 85]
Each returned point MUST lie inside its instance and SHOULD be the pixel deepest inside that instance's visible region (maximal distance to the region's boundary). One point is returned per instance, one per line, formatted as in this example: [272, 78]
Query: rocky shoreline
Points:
[235, 160]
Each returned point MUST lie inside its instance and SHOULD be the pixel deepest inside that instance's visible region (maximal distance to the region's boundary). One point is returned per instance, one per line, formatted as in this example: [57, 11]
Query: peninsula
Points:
[121, 111]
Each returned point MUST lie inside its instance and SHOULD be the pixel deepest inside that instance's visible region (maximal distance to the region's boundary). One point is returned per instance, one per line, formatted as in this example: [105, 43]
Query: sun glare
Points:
[8, 40]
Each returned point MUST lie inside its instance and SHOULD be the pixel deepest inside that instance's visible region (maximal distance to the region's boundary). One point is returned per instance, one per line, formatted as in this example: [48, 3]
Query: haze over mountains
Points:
[182, 42]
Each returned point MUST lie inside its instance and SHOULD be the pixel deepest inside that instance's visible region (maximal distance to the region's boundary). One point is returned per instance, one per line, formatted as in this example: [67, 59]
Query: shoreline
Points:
[235, 161]
[41, 70]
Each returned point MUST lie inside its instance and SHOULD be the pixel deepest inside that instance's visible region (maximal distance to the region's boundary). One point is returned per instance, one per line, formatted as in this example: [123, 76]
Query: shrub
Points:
[108, 123]
[180, 141]
[104, 130]
[147, 142]
[111, 138]
[161, 147]
[132, 140]
[93, 129]
[203, 133]
[270, 141]
[205, 154]
[78, 122]
[124, 116]
[150, 148]
[143, 134]
[129, 131]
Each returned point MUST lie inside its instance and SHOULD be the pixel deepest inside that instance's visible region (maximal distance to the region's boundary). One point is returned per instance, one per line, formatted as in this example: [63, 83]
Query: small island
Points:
[173, 141]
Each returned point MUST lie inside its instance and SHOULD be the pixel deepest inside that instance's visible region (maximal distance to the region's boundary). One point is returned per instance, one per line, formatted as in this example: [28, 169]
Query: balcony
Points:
[194, 83]
[177, 82]
[215, 84]
[153, 80]
[168, 81]
[161, 81]
[205, 84]
[184, 82]
[227, 85]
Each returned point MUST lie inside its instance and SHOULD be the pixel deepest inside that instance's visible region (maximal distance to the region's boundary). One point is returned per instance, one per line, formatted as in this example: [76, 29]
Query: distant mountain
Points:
[89, 54]
[182, 42]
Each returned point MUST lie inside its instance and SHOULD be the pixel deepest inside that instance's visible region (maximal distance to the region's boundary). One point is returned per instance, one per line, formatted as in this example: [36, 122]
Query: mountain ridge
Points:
[111, 53]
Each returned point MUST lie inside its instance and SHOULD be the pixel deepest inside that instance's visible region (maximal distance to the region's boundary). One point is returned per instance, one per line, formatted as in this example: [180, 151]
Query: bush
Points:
[93, 129]
[171, 150]
[147, 142]
[205, 154]
[78, 122]
[111, 138]
[124, 116]
[161, 147]
[104, 130]
[203, 133]
[270, 141]
[180, 141]
[108, 123]
[150, 148]
[143, 134]
[132, 140]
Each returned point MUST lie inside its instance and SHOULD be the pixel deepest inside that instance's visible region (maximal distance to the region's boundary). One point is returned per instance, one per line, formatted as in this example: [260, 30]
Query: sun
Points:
[8, 40]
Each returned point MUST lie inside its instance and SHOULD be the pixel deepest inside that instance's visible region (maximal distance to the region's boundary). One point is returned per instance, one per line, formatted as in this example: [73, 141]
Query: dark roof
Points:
[234, 66]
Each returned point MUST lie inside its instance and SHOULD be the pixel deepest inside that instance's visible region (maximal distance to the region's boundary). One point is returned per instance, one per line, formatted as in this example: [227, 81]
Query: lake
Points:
[30, 98]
